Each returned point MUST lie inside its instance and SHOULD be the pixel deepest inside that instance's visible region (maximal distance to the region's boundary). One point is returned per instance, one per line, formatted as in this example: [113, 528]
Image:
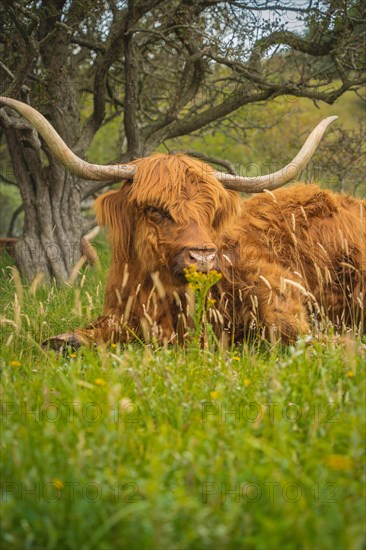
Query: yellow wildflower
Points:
[15, 363]
[236, 358]
[113, 345]
[99, 382]
[350, 374]
[246, 382]
[197, 278]
[58, 483]
[214, 394]
[73, 355]
[339, 462]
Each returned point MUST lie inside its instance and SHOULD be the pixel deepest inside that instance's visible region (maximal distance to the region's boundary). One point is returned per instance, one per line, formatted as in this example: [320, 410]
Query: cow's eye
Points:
[157, 214]
[151, 210]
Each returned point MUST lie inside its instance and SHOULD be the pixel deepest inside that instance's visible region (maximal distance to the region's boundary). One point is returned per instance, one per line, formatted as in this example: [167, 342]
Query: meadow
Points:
[258, 447]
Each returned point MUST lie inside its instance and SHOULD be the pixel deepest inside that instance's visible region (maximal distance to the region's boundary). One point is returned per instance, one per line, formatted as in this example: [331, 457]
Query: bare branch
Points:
[207, 158]
[91, 45]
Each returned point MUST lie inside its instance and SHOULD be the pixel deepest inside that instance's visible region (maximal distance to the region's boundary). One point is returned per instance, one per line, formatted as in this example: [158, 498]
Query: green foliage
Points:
[140, 448]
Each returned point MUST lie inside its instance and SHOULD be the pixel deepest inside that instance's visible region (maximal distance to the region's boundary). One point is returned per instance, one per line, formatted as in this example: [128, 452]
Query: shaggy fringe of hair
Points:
[173, 181]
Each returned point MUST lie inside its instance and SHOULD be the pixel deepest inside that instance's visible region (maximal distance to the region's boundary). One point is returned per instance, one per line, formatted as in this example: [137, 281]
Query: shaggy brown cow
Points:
[287, 257]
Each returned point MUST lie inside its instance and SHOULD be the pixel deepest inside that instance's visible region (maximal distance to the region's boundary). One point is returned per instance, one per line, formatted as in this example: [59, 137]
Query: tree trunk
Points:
[52, 211]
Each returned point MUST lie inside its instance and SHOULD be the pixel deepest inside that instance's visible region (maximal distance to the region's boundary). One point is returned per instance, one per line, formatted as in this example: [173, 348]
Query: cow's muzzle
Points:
[205, 260]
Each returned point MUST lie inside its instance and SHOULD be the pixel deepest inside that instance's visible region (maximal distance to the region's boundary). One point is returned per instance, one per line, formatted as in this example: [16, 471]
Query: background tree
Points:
[170, 68]
[344, 158]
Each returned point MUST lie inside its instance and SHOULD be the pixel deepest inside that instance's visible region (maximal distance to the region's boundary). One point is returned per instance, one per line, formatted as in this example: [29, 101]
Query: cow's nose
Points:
[203, 258]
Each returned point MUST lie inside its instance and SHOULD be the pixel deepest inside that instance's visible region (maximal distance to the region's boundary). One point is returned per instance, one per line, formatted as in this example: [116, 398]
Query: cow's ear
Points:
[114, 211]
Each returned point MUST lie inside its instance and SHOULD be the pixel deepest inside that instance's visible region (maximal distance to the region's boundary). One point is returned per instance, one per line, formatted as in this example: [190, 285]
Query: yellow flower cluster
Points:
[99, 382]
[198, 280]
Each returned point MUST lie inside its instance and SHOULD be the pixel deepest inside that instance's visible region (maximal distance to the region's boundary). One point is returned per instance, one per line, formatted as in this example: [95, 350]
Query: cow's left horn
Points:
[79, 167]
[286, 174]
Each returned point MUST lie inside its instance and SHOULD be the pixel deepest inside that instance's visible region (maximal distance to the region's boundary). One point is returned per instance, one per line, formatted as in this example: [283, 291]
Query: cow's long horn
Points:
[79, 167]
[286, 174]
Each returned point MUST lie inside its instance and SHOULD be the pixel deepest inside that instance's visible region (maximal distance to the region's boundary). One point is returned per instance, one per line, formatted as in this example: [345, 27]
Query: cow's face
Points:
[171, 238]
[169, 244]
[169, 229]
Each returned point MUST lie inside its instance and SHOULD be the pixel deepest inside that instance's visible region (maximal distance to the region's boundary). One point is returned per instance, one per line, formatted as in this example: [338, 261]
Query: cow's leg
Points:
[64, 341]
[105, 330]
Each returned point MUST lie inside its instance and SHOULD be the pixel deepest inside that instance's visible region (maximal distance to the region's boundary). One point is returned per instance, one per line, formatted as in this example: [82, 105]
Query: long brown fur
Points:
[288, 258]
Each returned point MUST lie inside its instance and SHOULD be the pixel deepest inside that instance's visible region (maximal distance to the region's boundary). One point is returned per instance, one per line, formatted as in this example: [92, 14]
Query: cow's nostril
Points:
[202, 256]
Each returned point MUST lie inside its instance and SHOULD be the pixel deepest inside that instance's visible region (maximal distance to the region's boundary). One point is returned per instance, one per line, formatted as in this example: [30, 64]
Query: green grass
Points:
[252, 448]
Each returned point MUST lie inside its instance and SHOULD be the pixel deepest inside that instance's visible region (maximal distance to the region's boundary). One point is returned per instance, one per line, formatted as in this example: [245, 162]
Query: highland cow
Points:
[287, 257]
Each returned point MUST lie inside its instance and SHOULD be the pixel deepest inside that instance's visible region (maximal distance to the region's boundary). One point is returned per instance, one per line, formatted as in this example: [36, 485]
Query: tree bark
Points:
[52, 212]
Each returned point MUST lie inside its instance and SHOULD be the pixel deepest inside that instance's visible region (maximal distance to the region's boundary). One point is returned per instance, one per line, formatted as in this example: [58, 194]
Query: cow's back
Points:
[312, 232]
